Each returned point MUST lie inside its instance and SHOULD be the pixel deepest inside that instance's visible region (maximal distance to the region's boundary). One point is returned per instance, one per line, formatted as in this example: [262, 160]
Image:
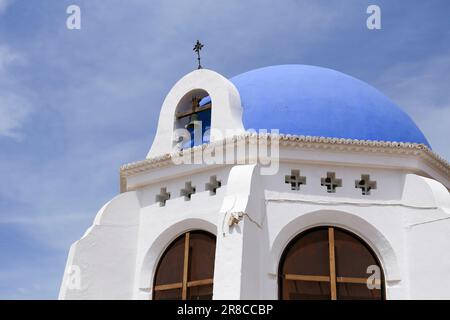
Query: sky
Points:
[77, 104]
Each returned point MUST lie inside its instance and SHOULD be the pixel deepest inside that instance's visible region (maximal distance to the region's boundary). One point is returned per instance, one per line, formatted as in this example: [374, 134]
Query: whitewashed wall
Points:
[405, 220]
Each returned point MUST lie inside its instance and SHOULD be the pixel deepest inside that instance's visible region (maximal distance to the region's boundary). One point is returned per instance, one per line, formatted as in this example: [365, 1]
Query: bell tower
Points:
[200, 96]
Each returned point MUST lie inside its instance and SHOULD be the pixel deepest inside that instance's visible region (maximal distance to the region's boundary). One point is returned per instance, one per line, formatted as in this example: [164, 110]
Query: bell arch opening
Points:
[192, 119]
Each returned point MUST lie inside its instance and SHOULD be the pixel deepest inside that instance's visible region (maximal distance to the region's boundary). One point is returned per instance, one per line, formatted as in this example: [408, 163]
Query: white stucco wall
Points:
[104, 258]
[405, 220]
[161, 225]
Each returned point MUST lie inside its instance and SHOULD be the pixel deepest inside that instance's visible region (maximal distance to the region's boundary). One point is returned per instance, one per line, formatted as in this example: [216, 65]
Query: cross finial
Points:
[197, 48]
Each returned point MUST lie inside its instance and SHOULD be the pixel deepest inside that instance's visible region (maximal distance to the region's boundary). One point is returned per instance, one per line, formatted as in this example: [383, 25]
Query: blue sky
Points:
[76, 104]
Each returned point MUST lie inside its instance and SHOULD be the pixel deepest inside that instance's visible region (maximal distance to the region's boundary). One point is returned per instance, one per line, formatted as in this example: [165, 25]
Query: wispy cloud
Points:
[4, 4]
[14, 108]
[422, 88]
[13, 112]
[7, 56]
[419, 85]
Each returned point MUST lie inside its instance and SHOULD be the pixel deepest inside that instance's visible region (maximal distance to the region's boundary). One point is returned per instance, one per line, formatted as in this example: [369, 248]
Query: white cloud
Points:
[7, 56]
[14, 108]
[422, 89]
[4, 4]
[420, 84]
[57, 203]
[13, 112]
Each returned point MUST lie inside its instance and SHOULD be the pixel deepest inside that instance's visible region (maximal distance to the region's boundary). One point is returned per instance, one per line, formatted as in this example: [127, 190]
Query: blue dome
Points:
[315, 101]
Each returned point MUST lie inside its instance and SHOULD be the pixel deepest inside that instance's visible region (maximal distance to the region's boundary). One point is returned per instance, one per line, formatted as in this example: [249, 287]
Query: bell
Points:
[192, 120]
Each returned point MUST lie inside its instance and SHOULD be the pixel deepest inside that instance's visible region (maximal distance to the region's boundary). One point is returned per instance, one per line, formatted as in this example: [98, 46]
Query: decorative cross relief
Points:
[331, 182]
[213, 185]
[365, 184]
[295, 180]
[162, 197]
[188, 191]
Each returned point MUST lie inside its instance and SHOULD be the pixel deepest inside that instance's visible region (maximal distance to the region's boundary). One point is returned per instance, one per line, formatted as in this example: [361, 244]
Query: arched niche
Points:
[370, 234]
[185, 271]
[192, 119]
[329, 262]
[147, 268]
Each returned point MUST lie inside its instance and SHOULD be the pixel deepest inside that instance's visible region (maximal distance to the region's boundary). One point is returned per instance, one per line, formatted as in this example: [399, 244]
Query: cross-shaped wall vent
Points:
[295, 180]
[331, 182]
[365, 184]
[162, 197]
[213, 185]
[188, 191]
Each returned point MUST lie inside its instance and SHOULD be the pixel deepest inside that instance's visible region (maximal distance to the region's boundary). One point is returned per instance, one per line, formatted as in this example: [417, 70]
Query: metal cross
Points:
[162, 197]
[197, 48]
[365, 184]
[188, 191]
[331, 182]
[213, 185]
[295, 180]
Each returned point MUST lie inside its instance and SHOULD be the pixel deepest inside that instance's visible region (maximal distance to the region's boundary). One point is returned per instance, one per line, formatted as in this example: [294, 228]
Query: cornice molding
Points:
[298, 141]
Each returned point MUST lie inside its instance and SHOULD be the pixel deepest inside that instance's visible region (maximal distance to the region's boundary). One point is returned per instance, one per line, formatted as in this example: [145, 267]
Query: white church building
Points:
[285, 182]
